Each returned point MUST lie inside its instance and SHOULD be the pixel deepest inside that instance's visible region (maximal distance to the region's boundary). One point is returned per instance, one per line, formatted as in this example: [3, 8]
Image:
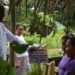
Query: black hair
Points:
[2, 11]
[18, 24]
[70, 35]
[66, 37]
[72, 40]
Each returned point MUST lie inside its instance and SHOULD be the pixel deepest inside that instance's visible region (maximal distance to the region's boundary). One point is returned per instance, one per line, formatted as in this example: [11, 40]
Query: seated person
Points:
[70, 47]
[65, 59]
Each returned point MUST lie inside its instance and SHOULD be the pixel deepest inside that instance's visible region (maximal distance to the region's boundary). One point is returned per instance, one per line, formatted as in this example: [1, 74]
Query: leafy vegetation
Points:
[46, 21]
[6, 68]
[52, 41]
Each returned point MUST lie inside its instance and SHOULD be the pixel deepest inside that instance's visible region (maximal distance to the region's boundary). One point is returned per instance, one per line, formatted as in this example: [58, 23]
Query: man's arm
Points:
[10, 36]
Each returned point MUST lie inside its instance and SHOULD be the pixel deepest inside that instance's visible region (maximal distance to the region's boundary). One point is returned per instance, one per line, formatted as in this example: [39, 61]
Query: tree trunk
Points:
[12, 13]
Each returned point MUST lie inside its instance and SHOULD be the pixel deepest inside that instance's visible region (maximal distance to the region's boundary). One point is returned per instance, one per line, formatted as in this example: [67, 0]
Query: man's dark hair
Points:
[2, 11]
[72, 40]
[66, 37]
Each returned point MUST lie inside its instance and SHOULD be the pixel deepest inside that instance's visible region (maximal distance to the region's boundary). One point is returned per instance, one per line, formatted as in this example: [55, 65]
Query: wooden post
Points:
[12, 14]
[50, 68]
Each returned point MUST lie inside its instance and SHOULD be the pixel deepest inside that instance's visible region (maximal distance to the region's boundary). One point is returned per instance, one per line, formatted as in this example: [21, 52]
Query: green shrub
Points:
[53, 39]
[6, 68]
[33, 39]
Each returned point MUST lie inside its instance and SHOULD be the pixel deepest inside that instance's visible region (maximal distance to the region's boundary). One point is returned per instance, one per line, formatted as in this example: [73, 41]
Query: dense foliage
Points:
[40, 16]
[6, 68]
[52, 41]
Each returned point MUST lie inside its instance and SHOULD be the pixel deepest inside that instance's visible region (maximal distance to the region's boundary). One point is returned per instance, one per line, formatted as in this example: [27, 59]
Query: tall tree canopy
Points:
[28, 12]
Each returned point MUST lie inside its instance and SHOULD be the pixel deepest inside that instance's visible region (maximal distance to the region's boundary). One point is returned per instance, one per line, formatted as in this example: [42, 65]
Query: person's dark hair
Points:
[70, 35]
[18, 24]
[66, 37]
[64, 40]
[2, 11]
[72, 40]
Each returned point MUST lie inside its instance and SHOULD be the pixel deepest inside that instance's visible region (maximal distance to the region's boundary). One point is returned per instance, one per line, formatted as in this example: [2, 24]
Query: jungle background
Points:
[45, 21]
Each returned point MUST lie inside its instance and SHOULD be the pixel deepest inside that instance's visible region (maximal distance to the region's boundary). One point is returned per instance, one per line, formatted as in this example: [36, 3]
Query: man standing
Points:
[5, 34]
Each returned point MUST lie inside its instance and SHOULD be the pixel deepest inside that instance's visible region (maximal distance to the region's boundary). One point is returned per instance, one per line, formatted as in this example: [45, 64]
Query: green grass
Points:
[54, 52]
[37, 69]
